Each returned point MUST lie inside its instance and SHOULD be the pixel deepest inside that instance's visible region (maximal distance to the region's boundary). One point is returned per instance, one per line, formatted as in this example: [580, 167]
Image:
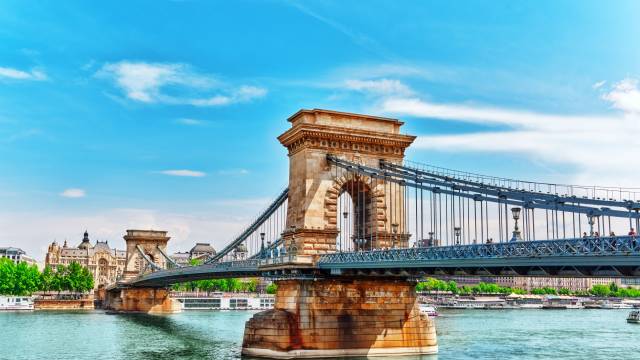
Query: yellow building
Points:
[105, 264]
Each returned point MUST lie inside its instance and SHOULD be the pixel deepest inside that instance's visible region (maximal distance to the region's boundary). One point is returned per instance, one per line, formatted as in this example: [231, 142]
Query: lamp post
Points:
[515, 212]
[262, 245]
[591, 222]
[394, 230]
[432, 241]
[456, 231]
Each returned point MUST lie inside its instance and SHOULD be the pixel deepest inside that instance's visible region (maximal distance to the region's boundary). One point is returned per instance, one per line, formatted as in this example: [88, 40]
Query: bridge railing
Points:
[588, 246]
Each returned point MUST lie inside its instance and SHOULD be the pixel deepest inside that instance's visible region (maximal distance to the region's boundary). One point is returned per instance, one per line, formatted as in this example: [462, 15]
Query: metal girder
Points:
[574, 253]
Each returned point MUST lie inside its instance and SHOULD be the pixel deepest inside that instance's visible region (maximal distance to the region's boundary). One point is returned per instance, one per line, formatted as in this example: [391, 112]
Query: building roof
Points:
[202, 248]
[86, 243]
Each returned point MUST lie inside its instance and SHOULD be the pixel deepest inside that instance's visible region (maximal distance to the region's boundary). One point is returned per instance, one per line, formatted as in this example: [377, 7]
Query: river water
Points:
[470, 334]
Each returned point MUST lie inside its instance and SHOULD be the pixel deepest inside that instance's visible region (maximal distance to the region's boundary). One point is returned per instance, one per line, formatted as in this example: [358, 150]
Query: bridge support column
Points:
[142, 300]
[341, 317]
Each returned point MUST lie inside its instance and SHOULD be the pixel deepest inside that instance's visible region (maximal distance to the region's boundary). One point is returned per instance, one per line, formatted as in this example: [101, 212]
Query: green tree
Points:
[600, 290]
[613, 287]
[564, 291]
[46, 279]
[7, 276]
[272, 288]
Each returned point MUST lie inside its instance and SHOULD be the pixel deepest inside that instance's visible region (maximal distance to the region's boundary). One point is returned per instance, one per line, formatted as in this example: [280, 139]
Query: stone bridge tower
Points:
[314, 185]
[346, 315]
[149, 241]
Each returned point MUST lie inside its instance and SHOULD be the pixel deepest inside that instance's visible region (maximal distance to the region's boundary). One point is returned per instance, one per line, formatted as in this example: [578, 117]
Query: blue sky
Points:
[164, 114]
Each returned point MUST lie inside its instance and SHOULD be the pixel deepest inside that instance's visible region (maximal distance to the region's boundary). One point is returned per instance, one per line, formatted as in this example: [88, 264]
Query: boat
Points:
[16, 303]
[561, 303]
[634, 317]
[221, 301]
[428, 310]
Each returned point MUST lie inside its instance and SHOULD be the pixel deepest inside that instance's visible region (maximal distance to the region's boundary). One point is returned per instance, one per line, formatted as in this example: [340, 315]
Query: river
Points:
[464, 334]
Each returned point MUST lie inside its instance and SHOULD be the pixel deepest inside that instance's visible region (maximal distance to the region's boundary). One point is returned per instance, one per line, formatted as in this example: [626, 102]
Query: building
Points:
[17, 255]
[200, 251]
[106, 264]
[572, 283]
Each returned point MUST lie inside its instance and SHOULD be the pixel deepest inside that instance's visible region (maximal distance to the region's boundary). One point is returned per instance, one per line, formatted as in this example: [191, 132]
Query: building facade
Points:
[16, 255]
[106, 264]
[200, 251]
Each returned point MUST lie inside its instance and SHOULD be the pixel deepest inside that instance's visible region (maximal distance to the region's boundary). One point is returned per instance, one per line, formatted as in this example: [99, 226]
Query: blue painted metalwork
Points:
[537, 253]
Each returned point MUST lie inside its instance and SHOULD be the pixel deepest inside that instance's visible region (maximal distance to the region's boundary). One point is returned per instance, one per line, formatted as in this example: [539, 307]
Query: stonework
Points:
[314, 185]
[106, 264]
[341, 317]
[143, 300]
[149, 241]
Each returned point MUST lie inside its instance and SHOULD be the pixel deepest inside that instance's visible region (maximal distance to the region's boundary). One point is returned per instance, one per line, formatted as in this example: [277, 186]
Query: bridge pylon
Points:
[325, 316]
[315, 185]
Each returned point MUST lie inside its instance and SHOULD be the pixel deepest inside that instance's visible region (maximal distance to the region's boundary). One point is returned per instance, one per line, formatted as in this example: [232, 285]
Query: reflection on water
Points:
[474, 334]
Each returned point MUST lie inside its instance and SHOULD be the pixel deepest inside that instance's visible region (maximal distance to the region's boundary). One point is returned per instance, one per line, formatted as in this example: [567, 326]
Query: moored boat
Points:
[428, 310]
[16, 303]
[634, 317]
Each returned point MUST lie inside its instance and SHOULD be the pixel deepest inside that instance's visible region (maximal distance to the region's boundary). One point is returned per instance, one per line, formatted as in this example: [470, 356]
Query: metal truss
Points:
[238, 268]
[604, 251]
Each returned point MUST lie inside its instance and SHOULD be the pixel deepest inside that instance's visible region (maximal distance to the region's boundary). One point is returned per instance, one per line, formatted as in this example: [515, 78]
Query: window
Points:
[238, 303]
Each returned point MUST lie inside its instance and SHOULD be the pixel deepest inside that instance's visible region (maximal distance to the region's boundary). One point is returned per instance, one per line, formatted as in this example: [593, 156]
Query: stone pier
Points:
[341, 317]
[141, 300]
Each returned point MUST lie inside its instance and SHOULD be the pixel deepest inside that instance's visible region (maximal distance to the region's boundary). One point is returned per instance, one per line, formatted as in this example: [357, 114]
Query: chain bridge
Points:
[358, 224]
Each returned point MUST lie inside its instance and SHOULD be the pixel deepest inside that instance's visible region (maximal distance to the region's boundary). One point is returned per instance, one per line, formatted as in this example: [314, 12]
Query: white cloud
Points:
[185, 173]
[15, 74]
[625, 95]
[191, 122]
[379, 86]
[148, 83]
[74, 193]
[599, 84]
[599, 149]
[233, 172]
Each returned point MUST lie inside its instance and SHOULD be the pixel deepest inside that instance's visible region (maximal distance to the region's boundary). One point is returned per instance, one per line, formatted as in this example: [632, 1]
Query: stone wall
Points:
[54, 304]
[145, 300]
[341, 317]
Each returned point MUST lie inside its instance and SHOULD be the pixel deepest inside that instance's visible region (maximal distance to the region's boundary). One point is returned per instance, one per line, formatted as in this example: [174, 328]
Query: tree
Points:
[7, 276]
[600, 290]
[272, 288]
[46, 279]
[564, 291]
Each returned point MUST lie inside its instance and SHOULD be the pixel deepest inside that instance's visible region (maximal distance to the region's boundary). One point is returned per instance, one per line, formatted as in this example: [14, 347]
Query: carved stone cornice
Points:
[341, 139]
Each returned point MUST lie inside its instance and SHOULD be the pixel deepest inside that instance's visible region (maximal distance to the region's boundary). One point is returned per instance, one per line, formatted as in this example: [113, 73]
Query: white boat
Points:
[634, 317]
[16, 303]
[428, 310]
[219, 301]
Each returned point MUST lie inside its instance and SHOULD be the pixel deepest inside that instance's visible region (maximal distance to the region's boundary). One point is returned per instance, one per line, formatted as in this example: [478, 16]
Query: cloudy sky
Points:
[164, 114]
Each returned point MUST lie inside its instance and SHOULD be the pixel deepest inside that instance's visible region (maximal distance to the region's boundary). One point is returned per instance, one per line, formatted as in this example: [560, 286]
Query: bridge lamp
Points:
[515, 212]
[591, 222]
[394, 230]
[345, 214]
[456, 231]
[431, 239]
[262, 246]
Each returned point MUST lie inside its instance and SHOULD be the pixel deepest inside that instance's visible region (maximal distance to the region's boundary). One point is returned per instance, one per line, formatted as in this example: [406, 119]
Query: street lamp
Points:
[515, 212]
[456, 231]
[431, 239]
[394, 230]
[345, 214]
[591, 222]
[262, 246]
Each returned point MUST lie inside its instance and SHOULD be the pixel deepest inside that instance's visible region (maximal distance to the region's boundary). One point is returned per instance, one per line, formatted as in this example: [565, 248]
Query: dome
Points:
[202, 248]
[86, 243]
